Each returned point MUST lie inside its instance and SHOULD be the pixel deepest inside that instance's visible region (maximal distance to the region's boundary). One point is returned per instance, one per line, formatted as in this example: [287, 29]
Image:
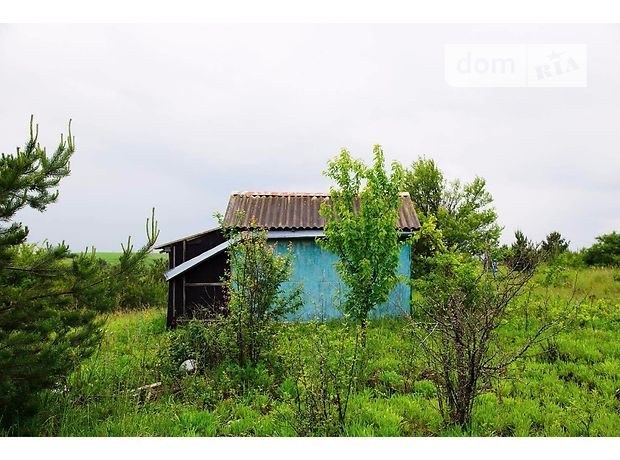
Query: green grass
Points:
[573, 393]
[112, 257]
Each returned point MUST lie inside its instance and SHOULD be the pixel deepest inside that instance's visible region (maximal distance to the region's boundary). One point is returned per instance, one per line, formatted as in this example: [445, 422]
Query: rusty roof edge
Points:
[257, 193]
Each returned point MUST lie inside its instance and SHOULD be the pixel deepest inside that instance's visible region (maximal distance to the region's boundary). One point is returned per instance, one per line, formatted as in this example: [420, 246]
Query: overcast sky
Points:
[178, 117]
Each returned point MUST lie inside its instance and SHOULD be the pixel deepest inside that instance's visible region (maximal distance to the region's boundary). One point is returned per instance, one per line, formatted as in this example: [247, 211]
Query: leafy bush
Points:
[207, 343]
[605, 252]
[571, 259]
[426, 243]
[256, 299]
[461, 308]
[553, 274]
[235, 350]
[210, 349]
[598, 309]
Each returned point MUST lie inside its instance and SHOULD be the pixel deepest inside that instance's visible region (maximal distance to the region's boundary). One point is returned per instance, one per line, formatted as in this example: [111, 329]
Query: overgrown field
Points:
[567, 387]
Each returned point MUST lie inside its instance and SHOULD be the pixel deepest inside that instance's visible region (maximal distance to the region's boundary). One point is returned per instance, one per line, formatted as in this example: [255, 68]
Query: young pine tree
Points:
[554, 245]
[50, 301]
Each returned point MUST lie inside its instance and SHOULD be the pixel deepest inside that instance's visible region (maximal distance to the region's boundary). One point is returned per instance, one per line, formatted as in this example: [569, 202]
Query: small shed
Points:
[198, 262]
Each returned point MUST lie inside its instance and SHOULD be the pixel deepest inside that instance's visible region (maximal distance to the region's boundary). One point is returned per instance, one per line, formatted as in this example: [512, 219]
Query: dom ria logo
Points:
[558, 64]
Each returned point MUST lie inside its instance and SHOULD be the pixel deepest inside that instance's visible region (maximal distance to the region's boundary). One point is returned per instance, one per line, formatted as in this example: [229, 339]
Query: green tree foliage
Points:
[49, 301]
[426, 186]
[360, 228]
[463, 212]
[605, 252]
[257, 299]
[428, 241]
[554, 245]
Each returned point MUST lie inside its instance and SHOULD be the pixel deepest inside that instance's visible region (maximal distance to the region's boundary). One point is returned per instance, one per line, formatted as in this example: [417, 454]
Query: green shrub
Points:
[234, 352]
[605, 252]
[553, 274]
[571, 259]
[208, 344]
[257, 301]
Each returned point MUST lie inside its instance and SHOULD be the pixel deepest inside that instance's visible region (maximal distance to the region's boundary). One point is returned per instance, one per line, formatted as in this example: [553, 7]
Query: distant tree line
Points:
[605, 252]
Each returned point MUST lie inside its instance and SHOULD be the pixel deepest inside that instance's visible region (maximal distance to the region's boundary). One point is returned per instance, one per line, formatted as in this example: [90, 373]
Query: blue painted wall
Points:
[314, 268]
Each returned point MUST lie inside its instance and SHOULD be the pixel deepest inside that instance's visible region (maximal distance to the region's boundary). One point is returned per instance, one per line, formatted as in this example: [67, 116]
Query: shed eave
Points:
[271, 235]
[182, 268]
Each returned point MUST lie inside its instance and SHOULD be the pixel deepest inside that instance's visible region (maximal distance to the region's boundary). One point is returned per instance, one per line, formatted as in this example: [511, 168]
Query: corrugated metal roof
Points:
[295, 210]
